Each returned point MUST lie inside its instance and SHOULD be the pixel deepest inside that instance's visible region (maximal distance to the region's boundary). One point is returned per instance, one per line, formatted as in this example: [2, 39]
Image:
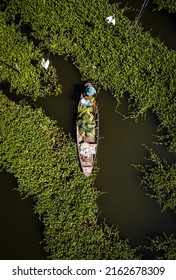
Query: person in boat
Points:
[89, 90]
[88, 96]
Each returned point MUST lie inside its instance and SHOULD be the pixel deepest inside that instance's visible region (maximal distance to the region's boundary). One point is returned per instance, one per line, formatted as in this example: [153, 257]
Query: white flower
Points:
[110, 19]
[45, 63]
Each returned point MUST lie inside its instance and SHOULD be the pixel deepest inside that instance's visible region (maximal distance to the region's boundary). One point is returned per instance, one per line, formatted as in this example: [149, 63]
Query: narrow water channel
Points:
[124, 203]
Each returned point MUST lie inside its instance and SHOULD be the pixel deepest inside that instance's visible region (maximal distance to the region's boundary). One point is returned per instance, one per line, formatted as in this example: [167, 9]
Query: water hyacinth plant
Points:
[169, 5]
[20, 64]
[164, 246]
[158, 177]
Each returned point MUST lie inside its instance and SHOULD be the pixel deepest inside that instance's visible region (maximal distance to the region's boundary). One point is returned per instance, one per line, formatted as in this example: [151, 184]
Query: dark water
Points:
[20, 229]
[124, 203]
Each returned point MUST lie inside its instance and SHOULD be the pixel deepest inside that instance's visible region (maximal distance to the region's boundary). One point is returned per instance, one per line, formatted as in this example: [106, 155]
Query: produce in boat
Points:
[87, 128]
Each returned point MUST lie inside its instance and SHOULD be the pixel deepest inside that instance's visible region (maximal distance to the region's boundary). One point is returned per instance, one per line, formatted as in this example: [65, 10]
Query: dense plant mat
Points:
[169, 5]
[115, 57]
[164, 247]
[159, 179]
[44, 160]
[20, 64]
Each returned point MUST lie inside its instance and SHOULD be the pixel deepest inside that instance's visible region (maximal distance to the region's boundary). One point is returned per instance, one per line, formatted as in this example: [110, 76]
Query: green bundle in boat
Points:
[91, 134]
[85, 120]
[82, 132]
[87, 117]
[83, 109]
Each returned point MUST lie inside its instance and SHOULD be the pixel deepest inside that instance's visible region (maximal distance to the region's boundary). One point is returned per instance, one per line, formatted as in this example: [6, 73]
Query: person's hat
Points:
[90, 90]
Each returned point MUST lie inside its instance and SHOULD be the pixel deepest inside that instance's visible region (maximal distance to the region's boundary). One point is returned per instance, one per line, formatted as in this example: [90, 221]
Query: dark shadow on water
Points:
[5, 87]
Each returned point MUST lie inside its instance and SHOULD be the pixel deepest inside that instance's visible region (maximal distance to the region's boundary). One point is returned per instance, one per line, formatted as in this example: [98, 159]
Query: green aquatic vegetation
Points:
[169, 5]
[20, 64]
[45, 162]
[158, 177]
[164, 246]
[110, 55]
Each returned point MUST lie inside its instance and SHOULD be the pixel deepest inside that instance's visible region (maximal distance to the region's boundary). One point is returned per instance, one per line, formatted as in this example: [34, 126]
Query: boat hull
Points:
[87, 148]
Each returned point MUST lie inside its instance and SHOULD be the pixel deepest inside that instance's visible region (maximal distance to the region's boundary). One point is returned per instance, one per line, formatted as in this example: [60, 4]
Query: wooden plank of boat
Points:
[87, 160]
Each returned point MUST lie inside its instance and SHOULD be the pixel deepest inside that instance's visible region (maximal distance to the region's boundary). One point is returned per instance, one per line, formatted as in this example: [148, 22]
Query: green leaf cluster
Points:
[159, 180]
[164, 247]
[45, 162]
[169, 5]
[20, 64]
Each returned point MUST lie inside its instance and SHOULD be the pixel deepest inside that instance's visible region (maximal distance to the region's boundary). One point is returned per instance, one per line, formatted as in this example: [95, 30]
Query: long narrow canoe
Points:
[87, 147]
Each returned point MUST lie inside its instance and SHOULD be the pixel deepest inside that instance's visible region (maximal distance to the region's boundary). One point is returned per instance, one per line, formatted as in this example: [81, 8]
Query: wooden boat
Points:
[87, 147]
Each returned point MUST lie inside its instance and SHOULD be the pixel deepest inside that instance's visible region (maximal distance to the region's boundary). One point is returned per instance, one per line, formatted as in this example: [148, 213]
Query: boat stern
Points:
[87, 171]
